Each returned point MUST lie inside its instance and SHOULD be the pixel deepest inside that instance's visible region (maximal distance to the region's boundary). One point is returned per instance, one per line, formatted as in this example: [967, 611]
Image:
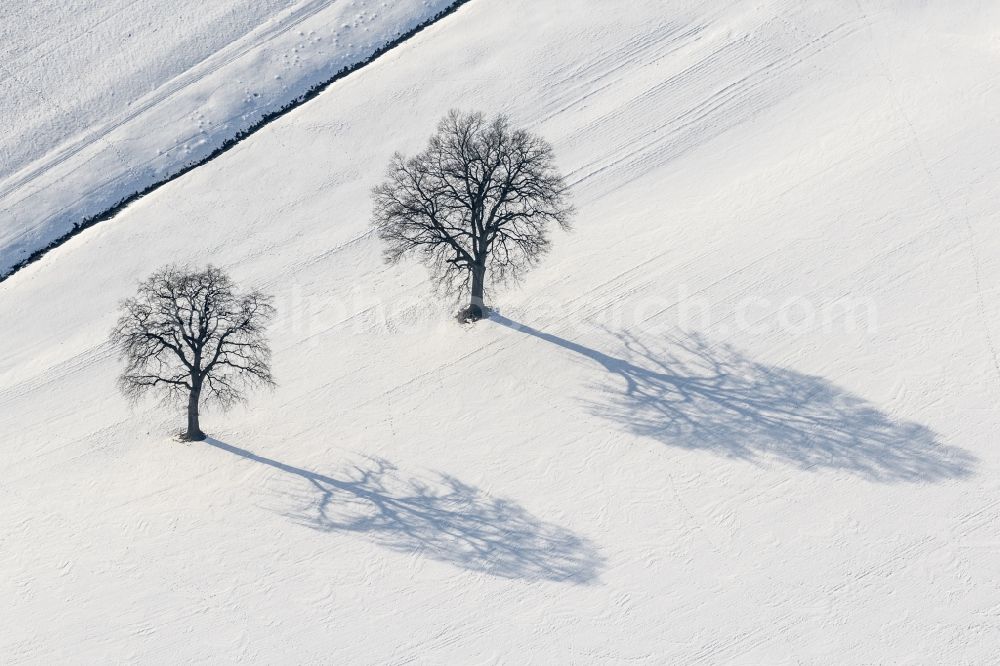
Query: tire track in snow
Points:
[5, 190]
[57, 372]
[720, 111]
[648, 51]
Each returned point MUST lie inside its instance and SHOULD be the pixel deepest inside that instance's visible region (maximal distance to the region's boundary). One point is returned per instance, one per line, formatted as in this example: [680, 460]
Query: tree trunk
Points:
[477, 309]
[194, 432]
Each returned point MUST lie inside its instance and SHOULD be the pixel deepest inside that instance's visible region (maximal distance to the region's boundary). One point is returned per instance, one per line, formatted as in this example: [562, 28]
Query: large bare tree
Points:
[480, 199]
[191, 336]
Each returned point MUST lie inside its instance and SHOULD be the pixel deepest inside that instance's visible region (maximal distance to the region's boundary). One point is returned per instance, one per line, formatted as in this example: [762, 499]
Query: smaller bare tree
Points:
[481, 198]
[190, 335]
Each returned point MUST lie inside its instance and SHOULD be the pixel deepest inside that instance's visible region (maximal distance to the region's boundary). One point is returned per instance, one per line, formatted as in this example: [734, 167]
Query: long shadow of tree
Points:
[445, 519]
[690, 394]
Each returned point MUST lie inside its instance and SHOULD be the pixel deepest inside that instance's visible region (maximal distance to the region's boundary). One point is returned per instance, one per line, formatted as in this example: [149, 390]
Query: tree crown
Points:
[482, 194]
[190, 330]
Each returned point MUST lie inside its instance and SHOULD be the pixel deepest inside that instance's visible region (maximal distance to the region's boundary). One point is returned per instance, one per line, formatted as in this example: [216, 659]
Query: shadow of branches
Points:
[444, 519]
[691, 394]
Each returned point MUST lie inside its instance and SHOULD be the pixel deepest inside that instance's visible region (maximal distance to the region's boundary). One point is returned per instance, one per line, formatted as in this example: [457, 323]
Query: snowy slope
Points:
[99, 100]
[745, 413]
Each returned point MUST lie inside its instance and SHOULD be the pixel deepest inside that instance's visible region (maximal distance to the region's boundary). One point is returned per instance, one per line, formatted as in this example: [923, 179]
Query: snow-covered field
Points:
[100, 99]
[747, 412]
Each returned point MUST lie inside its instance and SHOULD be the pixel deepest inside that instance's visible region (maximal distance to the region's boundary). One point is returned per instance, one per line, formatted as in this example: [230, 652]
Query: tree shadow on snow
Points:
[694, 395]
[445, 519]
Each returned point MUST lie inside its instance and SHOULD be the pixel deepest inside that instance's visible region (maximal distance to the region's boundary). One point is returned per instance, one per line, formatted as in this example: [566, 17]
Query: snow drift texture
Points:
[676, 444]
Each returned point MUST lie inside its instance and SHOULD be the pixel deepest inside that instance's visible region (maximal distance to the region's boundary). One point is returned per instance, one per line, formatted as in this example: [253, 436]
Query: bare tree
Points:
[481, 198]
[190, 335]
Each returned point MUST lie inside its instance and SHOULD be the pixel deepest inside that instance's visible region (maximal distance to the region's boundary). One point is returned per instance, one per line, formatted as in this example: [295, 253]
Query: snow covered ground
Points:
[99, 100]
[745, 413]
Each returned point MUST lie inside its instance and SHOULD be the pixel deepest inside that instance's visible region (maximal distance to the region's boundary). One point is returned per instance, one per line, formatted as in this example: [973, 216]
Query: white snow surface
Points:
[100, 99]
[676, 443]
